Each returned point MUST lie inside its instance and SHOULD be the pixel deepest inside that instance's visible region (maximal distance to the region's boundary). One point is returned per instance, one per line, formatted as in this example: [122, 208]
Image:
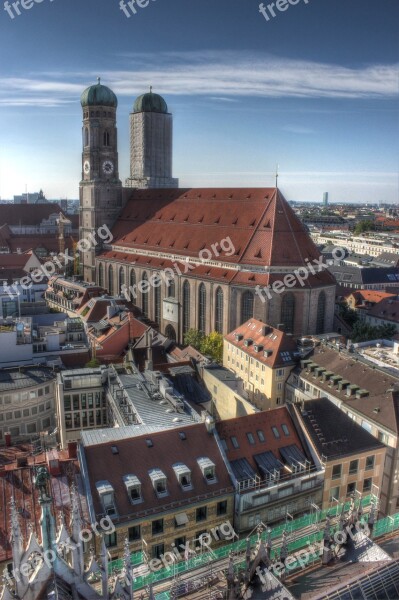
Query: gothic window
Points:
[86, 142]
[106, 138]
[100, 275]
[171, 288]
[247, 307]
[121, 279]
[219, 310]
[287, 317]
[111, 280]
[157, 300]
[186, 307]
[202, 308]
[144, 296]
[170, 333]
[321, 311]
[132, 279]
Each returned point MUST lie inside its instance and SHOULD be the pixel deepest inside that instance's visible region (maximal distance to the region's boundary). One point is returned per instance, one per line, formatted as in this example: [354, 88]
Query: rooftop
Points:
[24, 377]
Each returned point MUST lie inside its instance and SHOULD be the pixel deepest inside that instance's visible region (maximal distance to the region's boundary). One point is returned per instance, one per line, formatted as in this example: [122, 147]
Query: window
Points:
[287, 317]
[157, 527]
[353, 467]
[234, 441]
[157, 300]
[158, 479]
[221, 508]
[106, 138]
[276, 432]
[334, 493]
[261, 435]
[46, 423]
[370, 462]
[132, 279]
[121, 279]
[285, 429]
[280, 372]
[86, 136]
[201, 514]
[111, 280]
[247, 307]
[134, 533]
[171, 285]
[158, 550]
[186, 307]
[100, 275]
[251, 439]
[202, 308]
[110, 540]
[367, 483]
[219, 310]
[351, 488]
[208, 469]
[31, 428]
[180, 542]
[144, 295]
[321, 311]
[336, 472]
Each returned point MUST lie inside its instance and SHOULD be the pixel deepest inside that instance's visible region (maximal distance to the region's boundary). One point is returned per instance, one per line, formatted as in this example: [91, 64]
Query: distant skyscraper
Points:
[325, 199]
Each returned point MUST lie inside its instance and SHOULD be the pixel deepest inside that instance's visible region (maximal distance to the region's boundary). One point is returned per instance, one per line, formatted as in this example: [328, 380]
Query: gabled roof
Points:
[279, 346]
[372, 296]
[135, 456]
[387, 309]
[261, 225]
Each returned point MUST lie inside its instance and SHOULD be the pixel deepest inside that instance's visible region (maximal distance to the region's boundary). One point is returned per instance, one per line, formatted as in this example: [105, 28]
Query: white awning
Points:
[181, 519]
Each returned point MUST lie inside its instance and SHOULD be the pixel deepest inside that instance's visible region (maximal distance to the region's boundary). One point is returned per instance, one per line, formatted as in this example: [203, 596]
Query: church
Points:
[218, 246]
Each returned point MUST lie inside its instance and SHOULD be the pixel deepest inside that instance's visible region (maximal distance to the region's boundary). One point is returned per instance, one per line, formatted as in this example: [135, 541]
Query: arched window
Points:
[121, 279]
[247, 307]
[100, 275]
[171, 288]
[321, 311]
[111, 280]
[202, 308]
[157, 300]
[170, 333]
[219, 310]
[287, 318]
[144, 296]
[132, 279]
[86, 136]
[106, 138]
[186, 307]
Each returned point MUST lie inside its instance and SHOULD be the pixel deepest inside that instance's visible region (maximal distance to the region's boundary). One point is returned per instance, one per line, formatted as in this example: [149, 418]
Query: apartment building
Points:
[70, 296]
[367, 394]
[263, 357]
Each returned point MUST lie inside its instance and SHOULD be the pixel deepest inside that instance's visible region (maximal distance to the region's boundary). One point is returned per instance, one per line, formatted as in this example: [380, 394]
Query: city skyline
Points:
[314, 90]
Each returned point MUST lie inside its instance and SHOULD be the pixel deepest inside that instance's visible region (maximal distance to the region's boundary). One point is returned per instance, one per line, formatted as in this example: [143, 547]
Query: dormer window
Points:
[183, 475]
[208, 469]
[159, 482]
[133, 488]
[107, 497]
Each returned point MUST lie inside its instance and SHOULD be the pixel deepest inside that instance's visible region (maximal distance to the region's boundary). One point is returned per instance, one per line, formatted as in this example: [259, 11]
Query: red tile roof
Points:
[373, 296]
[261, 225]
[387, 309]
[271, 339]
[135, 457]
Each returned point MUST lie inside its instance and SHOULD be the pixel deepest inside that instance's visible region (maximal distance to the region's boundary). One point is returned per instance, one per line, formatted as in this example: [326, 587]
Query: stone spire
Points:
[16, 539]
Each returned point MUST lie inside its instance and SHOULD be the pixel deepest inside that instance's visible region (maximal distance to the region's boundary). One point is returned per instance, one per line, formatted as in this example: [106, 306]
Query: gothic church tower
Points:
[100, 188]
[151, 144]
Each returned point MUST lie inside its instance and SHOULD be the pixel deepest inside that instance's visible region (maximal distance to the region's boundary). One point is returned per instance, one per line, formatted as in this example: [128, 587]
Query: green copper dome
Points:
[98, 95]
[150, 103]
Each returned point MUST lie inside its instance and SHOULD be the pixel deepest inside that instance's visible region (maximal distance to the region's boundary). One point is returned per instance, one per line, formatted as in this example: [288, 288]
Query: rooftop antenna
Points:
[150, 89]
[98, 80]
[277, 167]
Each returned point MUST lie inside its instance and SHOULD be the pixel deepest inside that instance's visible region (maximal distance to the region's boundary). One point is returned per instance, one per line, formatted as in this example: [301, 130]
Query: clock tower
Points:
[100, 187]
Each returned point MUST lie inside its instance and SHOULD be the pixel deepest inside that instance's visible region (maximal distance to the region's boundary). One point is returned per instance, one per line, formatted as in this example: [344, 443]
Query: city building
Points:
[162, 489]
[25, 341]
[385, 312]
[70, 295]
[229, 399]
[263, 357]
[370, 278]
[352, 458]
[273, 472]
[27, 406]
[367, 394]
[198, 254]
[362, 301]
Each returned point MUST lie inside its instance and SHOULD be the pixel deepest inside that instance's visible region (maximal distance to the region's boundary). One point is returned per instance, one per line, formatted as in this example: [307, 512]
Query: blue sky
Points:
[314, 89]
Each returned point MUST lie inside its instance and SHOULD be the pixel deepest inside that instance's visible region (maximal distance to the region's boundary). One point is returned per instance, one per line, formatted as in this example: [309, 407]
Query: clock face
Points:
[86, 167]
[108, 167]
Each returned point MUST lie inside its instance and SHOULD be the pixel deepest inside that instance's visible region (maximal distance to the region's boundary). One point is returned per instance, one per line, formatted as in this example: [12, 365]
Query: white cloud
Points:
[218, 75]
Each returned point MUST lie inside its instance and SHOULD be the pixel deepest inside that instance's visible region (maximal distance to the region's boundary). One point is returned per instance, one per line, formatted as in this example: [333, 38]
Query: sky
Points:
[313, 89]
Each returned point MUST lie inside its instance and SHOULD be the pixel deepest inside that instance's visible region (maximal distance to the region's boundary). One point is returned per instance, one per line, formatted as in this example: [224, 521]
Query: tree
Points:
[364, 332]
[212, 346]
[364, 226]
[349, 315]
[194, 338]
[92, 364]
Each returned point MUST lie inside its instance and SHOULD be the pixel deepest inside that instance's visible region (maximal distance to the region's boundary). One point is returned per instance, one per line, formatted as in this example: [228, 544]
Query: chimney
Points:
[7, 438]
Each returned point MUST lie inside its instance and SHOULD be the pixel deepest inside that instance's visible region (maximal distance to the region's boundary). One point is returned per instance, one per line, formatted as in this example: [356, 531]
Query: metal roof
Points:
[267, 463]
